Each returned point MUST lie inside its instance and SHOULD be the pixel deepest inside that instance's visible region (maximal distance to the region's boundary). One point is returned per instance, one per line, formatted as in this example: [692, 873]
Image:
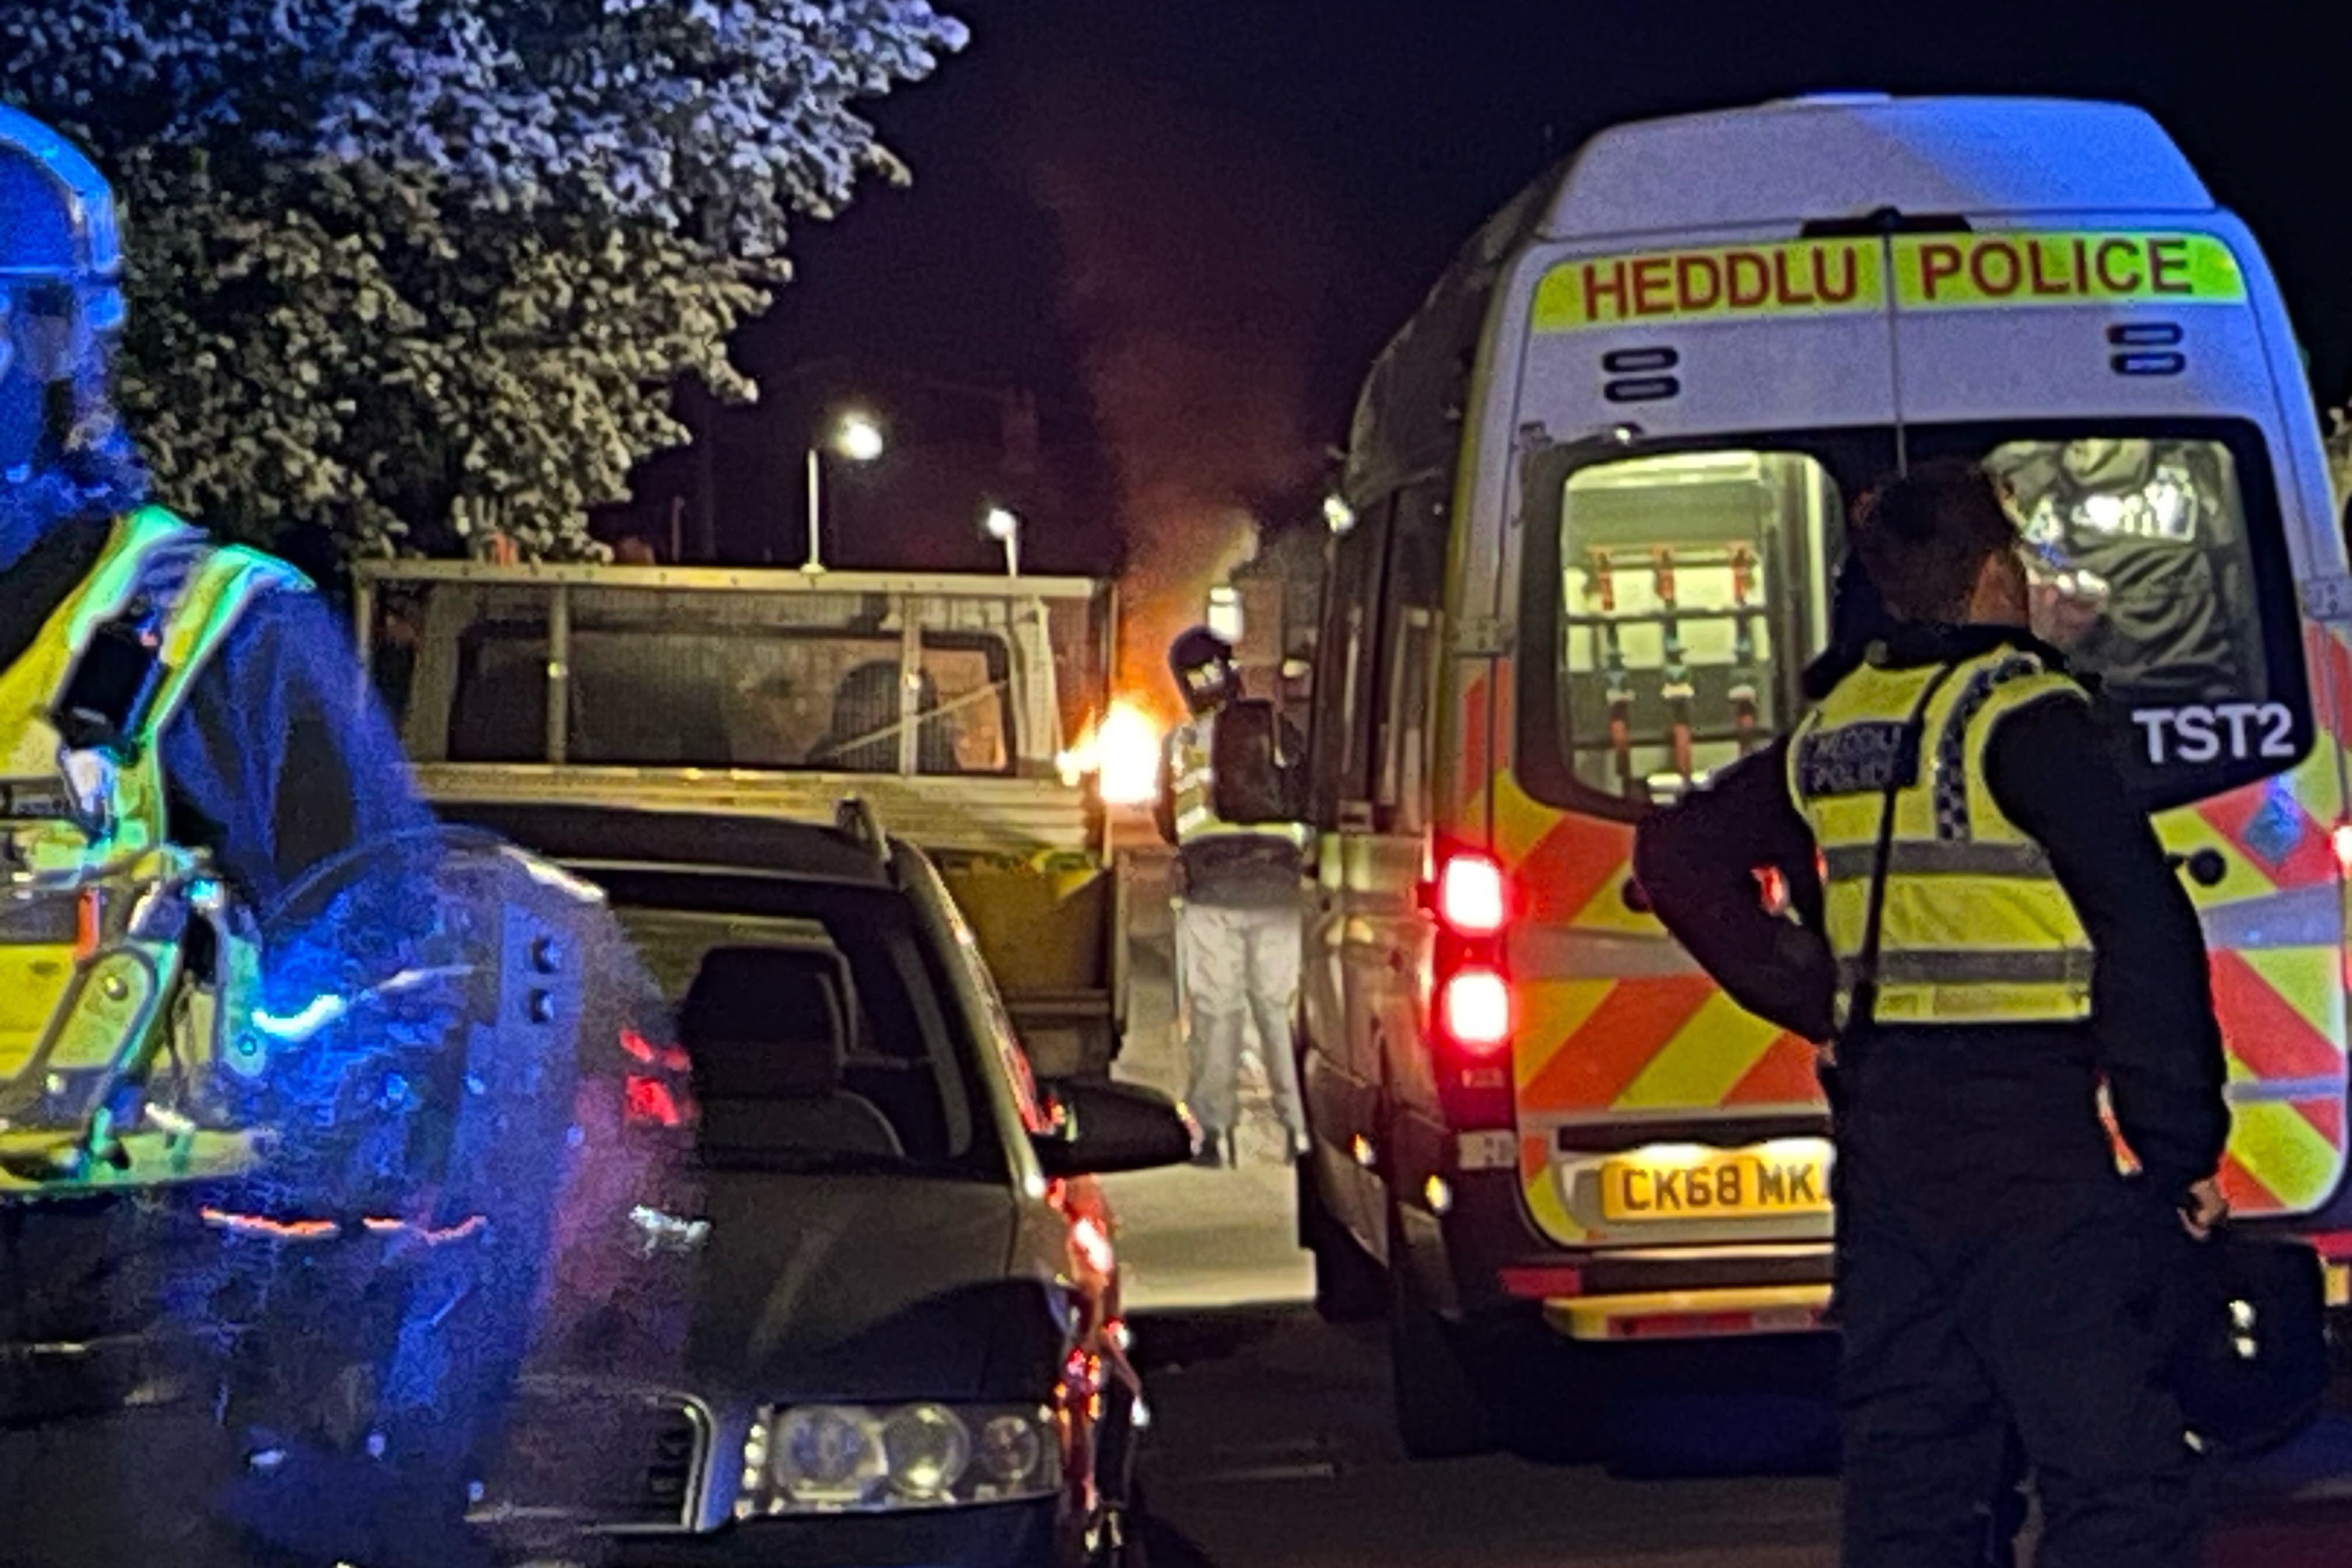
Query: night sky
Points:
[1185, 228]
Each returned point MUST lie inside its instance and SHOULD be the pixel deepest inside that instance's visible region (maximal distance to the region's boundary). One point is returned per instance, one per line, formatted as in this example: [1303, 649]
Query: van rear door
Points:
[1669, 597]
[2120, 381]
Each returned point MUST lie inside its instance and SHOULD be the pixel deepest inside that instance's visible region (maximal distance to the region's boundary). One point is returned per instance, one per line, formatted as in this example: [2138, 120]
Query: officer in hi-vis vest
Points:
[185, 735]
[1996, 932]
[1237, 918]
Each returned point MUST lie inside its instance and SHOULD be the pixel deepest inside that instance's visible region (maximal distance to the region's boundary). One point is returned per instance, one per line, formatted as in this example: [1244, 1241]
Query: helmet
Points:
[60, 261]
[2110, 464]
[1202, 664]
[60, 304]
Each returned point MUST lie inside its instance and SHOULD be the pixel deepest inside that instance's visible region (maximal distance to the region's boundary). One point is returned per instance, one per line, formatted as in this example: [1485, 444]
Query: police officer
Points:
[161, 699]
[1238, 915]
[1995, 932]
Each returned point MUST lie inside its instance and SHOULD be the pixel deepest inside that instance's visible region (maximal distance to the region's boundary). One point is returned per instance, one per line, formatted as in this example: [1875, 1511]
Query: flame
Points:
[1121, 753]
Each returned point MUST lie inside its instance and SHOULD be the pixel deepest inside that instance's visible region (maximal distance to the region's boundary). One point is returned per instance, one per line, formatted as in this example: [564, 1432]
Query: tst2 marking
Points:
[2205, 733]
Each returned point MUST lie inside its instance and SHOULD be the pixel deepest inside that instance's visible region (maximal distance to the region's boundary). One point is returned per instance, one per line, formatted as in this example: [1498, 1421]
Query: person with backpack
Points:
[1238, 916]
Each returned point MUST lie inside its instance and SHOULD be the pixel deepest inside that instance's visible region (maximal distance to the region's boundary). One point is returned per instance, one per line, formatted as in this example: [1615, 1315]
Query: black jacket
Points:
[2011, 1096]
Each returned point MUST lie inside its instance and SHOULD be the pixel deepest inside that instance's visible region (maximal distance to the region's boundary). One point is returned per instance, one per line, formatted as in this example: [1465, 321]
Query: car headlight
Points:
[836, 1458]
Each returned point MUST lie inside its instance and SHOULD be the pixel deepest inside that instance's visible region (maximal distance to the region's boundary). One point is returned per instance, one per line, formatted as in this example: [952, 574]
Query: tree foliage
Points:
[386, 255]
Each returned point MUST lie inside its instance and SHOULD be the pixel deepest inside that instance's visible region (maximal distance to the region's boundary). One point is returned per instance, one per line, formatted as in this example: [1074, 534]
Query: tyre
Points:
[1349, 1286]
[1442, 1407]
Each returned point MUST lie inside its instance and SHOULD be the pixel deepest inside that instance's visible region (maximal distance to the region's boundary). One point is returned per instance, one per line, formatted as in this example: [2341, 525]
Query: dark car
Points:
[903, 1334]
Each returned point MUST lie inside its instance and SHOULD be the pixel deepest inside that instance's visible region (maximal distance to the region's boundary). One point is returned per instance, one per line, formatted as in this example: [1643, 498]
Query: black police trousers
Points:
[2031, 1305]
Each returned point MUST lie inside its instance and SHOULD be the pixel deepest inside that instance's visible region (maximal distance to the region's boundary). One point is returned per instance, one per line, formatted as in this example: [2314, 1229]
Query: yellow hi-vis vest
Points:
[1974, 927]
[1193, 801]
[96, 902]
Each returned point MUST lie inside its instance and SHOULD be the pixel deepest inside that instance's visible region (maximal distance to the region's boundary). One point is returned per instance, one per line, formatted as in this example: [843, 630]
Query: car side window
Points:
[1004, 1040]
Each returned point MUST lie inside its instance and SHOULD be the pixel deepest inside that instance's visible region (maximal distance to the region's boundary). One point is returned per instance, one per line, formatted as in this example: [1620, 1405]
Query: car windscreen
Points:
[906, 1064]
[1673, 596]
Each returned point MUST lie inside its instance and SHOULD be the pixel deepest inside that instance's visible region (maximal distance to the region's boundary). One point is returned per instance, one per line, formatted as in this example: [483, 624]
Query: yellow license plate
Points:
[1731, 1184]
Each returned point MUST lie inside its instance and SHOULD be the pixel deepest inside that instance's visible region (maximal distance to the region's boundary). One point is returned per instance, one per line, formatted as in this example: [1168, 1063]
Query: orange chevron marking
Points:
[1593, 1066]
[1784, 1077]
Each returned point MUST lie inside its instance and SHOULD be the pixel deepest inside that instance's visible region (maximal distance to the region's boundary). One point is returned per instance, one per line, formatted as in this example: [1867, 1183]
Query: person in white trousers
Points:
[1237, 912]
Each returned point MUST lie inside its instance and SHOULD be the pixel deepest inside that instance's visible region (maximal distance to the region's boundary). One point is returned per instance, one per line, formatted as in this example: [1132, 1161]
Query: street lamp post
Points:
[856, 436]
[1004, 527]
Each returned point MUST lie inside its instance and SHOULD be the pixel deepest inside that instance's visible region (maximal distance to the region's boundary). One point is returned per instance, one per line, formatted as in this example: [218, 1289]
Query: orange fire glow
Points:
[1121, 753]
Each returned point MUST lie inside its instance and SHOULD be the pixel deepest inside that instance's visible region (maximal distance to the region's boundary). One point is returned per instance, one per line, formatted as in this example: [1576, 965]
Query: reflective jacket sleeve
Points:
[1697, 863]
[2156, 1039]
[281, 758]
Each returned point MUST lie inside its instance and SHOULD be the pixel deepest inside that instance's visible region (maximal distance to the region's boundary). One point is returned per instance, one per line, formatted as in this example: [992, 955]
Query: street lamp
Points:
[856, 436]
[1004, 527]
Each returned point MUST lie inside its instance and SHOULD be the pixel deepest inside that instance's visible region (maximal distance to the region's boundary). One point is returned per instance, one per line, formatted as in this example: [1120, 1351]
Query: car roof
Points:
[612, 834]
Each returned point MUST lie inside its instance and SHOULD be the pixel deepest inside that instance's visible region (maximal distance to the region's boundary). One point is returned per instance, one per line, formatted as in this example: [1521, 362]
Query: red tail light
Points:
[1472, 1005]
[647, 1101]
[1473, 899]
[1475, 1010]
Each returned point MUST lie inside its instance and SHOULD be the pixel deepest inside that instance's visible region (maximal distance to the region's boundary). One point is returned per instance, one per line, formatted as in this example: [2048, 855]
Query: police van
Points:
[1596, 490]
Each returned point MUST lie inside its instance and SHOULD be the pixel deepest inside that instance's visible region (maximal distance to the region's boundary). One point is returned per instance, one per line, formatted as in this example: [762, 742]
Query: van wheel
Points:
[1349, 1286]
[1443, 1411]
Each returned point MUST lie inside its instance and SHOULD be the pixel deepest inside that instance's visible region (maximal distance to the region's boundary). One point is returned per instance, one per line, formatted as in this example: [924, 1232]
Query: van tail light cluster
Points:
[1474, 897]
[1474, 1008]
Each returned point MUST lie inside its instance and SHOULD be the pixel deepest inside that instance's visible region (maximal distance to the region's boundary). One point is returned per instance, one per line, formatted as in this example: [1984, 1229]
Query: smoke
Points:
[1196, 269]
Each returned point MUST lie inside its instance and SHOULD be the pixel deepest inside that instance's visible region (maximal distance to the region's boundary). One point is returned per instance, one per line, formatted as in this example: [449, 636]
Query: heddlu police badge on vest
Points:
[126, 965]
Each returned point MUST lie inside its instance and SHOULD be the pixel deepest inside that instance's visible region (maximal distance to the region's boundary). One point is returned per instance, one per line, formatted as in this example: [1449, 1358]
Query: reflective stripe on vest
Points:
[99, 877]
[1974, 927]
[1192, 798]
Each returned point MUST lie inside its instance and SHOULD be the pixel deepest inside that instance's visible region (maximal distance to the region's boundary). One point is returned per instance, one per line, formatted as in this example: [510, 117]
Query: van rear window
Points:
[2138, 555]
[2160, 568]
[1674, 597]
[1687, 590]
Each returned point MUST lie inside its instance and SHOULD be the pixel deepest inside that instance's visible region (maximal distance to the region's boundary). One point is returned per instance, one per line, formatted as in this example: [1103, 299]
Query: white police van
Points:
[1596, 490]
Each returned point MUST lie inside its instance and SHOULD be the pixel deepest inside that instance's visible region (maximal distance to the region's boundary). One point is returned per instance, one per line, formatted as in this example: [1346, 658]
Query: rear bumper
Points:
[1692, 1314]
[1483, 1260]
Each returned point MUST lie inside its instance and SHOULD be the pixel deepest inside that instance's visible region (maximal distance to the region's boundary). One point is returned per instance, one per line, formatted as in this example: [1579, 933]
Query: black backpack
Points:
[1255, 779]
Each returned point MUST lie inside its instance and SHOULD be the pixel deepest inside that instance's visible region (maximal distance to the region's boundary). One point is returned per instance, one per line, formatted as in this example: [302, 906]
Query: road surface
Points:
[1270, 1445]
[1272, 1448]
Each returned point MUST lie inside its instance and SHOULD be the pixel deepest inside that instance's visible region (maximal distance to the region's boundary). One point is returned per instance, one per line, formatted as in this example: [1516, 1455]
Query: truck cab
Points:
[950, 703]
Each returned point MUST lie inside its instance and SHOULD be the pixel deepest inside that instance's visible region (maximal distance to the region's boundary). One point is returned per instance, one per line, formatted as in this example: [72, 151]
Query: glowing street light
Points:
[857, 436]
[1337, 515]
[1004, 527]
